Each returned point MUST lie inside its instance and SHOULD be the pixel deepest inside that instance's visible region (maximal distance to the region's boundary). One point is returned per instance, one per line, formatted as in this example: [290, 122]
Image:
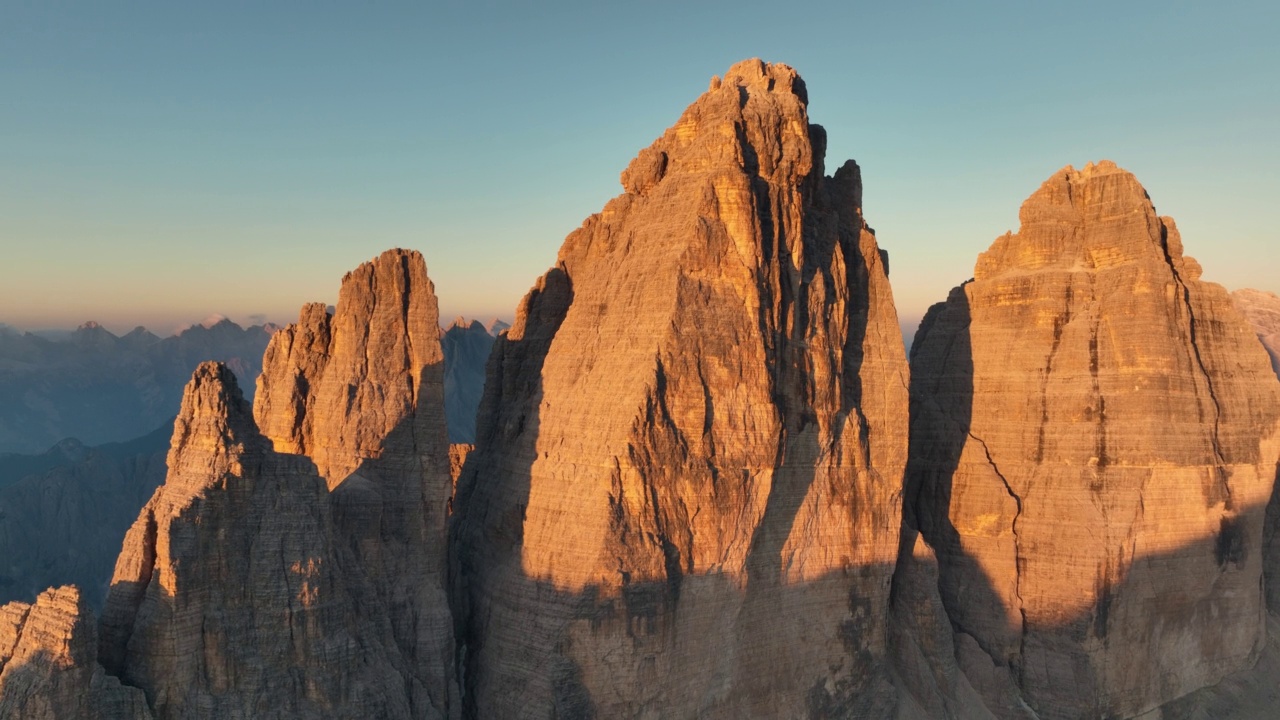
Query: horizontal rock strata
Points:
[684, 499]
[48, 666]
[1094, 436]
[361, 393]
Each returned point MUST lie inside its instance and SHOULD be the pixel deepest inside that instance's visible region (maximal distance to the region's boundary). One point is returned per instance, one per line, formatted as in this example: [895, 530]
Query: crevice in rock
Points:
[1017, 548]
[1059, 323]
[1220, 470]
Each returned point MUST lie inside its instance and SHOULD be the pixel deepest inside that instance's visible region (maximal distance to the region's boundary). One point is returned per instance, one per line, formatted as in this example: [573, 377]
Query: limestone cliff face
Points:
[235, 595]
[364, 384]
[361, 394]
[1094, 435]
[685, 496]
[48, 669]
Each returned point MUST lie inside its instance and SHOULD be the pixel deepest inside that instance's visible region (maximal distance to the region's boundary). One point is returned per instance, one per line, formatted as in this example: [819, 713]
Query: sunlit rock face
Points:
[685, 496]
[309, 582]
[230, 597]
[48, 666]
[1094, 437]
[361, 393]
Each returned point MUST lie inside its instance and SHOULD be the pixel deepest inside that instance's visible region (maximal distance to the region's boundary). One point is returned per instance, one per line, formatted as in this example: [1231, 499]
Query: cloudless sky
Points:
[161, 162]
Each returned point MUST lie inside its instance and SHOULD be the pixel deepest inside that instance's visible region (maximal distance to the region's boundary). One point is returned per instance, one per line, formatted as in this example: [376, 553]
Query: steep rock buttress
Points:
[685, 495]
[1094, 437]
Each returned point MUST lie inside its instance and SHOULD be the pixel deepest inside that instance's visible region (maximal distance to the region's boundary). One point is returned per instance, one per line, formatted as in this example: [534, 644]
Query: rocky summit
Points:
[361, 394]
[234, 595]
[306, 583]
[1094, 438]
[684, 498]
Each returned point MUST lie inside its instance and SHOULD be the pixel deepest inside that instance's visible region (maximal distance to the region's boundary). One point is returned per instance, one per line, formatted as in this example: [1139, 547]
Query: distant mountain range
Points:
[64, 512]
[99, 387]
[466, 345]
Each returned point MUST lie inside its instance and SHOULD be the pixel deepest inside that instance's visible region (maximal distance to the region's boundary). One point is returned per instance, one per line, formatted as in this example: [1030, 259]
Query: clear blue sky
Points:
[163, 162]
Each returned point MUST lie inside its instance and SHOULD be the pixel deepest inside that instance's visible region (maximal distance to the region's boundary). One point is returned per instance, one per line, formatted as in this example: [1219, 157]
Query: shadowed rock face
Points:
[684, 499]
[361, 394]
[1094, 437]
[47, 665]
[233, 596]
[309, 583]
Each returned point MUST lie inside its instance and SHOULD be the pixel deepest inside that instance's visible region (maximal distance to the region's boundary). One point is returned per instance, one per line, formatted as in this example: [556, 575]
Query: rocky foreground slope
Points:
[1095, 433]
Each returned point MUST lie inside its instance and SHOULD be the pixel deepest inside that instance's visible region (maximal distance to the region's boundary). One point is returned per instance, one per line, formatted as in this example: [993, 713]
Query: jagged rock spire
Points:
[694, 430]
[309, 582]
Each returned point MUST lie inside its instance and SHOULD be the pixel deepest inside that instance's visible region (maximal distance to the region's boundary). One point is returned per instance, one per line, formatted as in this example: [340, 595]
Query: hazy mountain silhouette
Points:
[99, 387]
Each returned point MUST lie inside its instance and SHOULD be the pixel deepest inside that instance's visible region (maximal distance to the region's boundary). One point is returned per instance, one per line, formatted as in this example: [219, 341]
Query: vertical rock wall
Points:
[361, 393]
[1094, 437]
[685, 495]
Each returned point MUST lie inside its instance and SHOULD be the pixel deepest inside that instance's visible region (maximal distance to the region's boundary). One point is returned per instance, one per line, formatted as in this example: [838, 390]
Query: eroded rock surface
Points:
[360, 393]
[1094, 435]
[309, 582]
[235, 594]
[685, 496]
[48, 666]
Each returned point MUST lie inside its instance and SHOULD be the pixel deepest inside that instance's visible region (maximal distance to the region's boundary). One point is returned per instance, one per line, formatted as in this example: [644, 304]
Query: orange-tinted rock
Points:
[361, 394]
[235, 595]
[48, 669]
[685, 495]
[365, 382]
[1094, 436]
[458, 453]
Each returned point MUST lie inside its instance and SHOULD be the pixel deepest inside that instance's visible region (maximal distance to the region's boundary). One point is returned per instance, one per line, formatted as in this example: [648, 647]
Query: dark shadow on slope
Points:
[941, 416]
[1271, 547]
[486, 530]
[390, 515]
[1049, 658]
